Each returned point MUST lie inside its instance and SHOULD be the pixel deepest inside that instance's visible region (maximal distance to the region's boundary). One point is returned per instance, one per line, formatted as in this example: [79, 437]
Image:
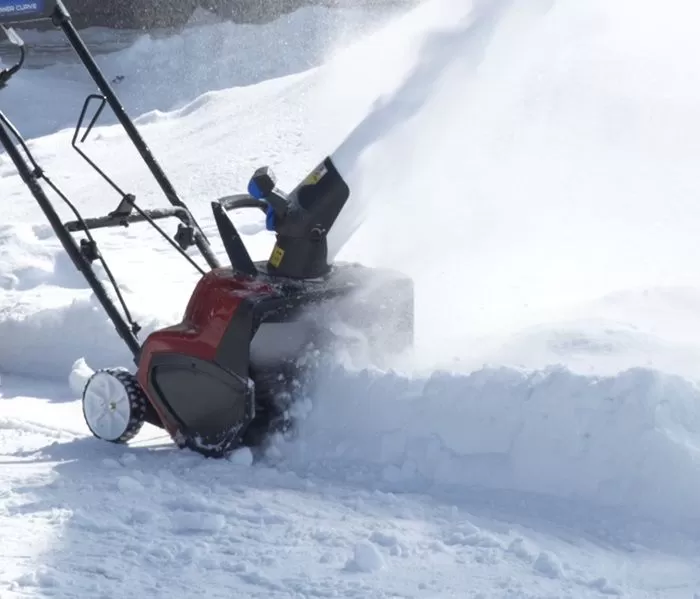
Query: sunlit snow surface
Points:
[531, 165]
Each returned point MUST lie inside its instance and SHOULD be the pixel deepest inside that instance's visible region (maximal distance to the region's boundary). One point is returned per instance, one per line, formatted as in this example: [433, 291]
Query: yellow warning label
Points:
[312, 179]
[316, 175]
[276, 256]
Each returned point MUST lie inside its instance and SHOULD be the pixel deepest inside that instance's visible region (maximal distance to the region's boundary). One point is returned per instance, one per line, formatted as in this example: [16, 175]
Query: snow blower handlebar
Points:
[11, 35]
[31, 173]
[86, 252]
[22, 11]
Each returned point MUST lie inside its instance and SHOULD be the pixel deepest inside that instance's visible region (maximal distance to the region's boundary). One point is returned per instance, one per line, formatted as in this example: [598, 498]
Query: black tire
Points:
[121, 391]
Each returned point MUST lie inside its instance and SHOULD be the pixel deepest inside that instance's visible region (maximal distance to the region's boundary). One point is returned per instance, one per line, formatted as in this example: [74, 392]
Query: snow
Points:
[614, 441]
[531, 165]
[366, 558]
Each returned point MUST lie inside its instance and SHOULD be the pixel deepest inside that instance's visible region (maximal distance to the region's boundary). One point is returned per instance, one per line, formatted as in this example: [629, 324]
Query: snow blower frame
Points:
[224, 376]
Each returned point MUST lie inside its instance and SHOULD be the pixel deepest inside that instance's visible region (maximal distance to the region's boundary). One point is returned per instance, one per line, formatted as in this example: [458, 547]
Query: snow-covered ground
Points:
[532, 166]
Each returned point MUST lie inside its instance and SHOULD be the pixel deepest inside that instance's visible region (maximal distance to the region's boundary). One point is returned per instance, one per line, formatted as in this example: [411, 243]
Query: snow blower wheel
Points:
[226, 373]
[114, 405]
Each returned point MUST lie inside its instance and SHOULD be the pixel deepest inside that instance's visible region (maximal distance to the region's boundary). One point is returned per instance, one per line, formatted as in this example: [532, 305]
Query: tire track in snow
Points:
[27, 426]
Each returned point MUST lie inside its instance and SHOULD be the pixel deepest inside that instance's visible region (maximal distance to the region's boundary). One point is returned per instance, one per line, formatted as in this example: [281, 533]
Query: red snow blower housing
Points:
[226, 374]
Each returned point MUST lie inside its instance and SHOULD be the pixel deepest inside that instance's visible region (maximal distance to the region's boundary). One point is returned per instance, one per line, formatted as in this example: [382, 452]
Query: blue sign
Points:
[22, 10]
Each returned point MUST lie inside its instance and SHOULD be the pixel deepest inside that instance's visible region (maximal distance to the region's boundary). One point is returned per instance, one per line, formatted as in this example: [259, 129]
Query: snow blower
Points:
[226, 375]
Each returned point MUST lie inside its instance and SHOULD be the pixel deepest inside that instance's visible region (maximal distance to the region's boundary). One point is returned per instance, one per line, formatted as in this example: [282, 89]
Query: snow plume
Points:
[530, 158]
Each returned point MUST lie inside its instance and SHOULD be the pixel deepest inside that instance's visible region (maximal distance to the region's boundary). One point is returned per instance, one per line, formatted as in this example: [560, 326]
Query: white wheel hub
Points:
[106, 406]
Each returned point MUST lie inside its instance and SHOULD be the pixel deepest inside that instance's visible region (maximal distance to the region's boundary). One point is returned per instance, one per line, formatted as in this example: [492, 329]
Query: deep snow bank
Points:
[630, 441]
